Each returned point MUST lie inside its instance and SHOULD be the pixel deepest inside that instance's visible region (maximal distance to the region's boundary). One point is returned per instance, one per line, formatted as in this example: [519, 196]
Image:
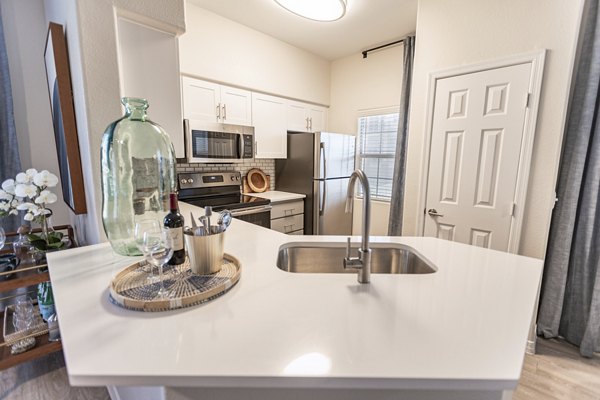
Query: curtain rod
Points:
[364, 53]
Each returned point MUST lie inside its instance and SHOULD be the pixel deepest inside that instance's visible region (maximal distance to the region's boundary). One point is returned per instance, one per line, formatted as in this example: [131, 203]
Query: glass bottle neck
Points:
[135, 109]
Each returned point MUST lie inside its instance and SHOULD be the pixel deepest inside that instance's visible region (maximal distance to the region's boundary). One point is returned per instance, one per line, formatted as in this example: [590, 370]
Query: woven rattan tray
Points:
[131, 289]
[11, 336]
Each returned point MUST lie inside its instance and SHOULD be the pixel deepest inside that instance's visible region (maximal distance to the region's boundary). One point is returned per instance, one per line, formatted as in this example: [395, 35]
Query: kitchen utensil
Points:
[224, 220]
[208, 214]
[257, 180]
[205, 252]
[205, 226]
[194, 224]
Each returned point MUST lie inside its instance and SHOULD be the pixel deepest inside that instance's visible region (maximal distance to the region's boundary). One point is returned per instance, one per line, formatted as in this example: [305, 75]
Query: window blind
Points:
[376, 152]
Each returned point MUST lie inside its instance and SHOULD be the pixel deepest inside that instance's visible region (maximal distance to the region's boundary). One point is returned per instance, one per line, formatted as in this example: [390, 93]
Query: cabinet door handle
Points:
[310, 124]
[307, 126]
[218, 111]
[224, 111]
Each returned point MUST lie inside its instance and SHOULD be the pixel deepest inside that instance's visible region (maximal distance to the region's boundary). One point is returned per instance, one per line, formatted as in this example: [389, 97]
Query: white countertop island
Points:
[457, 333]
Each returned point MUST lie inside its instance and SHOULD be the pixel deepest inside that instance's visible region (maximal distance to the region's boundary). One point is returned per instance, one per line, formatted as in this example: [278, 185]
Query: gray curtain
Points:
[570, 298]
[397, 202]
[10, 164]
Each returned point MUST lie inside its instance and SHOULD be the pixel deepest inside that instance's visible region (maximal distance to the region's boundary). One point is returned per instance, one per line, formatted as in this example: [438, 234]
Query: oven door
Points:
[255, 215]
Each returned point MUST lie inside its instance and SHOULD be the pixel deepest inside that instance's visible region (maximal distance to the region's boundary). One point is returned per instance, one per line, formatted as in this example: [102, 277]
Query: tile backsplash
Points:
[266, 165]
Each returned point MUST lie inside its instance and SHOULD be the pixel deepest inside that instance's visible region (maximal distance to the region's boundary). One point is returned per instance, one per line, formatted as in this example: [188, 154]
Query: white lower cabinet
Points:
[288, 217]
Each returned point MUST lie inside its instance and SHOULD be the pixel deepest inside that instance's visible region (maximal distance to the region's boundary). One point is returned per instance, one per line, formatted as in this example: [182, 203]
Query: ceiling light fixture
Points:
[317, 10]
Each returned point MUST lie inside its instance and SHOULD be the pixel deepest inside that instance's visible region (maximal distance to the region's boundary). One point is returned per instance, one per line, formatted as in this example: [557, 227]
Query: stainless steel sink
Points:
[386, 258]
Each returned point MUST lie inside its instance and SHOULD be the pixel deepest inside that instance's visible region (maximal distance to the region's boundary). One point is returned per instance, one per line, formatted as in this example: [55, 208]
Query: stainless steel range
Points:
[223, 190]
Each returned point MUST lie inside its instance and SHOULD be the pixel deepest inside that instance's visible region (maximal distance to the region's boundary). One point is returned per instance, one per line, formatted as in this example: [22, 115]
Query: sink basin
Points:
[386, 258]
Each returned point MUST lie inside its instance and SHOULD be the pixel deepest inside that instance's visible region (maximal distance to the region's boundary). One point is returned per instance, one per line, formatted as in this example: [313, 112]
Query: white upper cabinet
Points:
[139, 47]
[236, 106]
[208, 101]
[318, 118]
[269, 120]
[303, 117]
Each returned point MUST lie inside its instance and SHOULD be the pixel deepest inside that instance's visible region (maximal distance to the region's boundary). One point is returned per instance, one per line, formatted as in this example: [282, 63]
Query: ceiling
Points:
[367, 23]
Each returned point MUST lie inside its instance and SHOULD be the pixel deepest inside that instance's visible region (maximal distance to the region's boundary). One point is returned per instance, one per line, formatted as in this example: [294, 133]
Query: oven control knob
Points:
[191, 180]
[183, 181]
[232, 178]
[237, 178]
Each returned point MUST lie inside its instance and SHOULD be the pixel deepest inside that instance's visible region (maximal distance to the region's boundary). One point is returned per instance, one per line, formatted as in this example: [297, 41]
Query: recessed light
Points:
[317, 10]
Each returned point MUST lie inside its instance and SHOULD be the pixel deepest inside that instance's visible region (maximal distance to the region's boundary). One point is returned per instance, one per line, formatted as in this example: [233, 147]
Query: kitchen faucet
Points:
[363, 262]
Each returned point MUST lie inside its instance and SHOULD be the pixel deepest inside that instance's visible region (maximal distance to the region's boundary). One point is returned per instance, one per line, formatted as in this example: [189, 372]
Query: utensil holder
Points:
[205, 252]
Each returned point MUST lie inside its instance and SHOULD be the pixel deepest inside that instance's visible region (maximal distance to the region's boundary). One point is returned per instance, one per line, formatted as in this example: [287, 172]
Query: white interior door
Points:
[478, 125]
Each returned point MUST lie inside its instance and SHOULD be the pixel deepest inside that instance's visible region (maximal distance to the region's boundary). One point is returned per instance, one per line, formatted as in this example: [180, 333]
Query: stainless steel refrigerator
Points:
[319, 165]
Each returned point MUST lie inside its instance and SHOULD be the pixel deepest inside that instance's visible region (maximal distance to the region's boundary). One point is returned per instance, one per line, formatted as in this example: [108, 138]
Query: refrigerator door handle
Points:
[322, 205]
[324, 158]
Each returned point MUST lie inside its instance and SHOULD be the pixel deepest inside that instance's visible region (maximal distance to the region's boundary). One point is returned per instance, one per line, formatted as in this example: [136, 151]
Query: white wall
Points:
[25, 32]
[90, 28]
[224, 51]
[454, 33]
[359, 85]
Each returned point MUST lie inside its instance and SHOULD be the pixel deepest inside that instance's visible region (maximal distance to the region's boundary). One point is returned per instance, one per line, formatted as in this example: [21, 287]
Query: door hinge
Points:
[527, 100]
[512, 209]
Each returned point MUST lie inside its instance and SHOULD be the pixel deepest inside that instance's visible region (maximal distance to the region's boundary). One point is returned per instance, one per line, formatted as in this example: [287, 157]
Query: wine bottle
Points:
[174, 222]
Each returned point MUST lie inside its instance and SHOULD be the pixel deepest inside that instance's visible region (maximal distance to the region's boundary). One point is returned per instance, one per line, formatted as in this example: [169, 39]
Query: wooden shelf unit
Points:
[27, 274]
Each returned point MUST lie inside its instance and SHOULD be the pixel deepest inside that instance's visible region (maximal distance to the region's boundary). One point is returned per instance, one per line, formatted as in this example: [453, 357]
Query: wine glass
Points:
[141, 227]
[23, 315]
[160, 251]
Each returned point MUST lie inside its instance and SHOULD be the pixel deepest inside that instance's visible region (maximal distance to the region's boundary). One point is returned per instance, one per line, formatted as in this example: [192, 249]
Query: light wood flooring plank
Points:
[44, 379]
[558, 372]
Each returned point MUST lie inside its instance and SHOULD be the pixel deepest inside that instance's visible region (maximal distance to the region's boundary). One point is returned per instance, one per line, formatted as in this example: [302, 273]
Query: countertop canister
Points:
[138, 174]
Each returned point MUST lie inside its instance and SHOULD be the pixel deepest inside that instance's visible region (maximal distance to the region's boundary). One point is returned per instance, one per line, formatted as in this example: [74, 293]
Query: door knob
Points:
[433, 212]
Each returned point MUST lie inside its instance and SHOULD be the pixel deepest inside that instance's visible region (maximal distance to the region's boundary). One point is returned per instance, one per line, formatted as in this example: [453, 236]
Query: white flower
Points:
[23, 178]
[29, 207]
[4, 206]
[13, 212]
[9, 186]
[5, 196]
[28, 217]
[25, 190]
[45, 179]
[47, 197]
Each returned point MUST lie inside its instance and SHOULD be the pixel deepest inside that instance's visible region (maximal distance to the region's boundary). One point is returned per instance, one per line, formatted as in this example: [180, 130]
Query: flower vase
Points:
[47, 240]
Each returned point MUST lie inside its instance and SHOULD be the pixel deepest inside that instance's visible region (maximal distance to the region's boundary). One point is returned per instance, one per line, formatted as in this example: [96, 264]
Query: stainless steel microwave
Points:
[211, 142]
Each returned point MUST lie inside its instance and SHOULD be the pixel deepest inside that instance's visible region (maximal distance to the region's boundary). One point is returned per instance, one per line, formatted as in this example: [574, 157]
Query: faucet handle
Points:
[348, 249]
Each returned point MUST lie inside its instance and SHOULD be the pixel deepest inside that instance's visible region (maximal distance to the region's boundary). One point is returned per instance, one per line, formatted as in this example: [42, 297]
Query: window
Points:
[376, 152]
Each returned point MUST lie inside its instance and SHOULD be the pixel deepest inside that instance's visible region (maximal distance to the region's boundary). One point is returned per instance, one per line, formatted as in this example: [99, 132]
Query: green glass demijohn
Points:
[138, 174]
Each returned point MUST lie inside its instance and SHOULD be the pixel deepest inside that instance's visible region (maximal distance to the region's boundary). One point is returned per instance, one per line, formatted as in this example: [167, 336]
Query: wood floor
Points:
[556, 372]
[44, 379]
